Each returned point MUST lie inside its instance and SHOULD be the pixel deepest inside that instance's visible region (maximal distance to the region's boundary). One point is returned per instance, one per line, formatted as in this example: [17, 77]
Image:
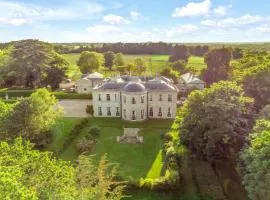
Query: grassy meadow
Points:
[155, 64]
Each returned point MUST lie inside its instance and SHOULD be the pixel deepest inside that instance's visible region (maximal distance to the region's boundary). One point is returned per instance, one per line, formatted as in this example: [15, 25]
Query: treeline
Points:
[132, 48]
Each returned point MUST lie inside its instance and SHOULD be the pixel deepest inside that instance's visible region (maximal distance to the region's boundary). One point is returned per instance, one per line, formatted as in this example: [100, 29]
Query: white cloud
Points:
[193, 9]
[14, 13]
[134, 15]
[102, 29]
[222, 10]
[265, 28]
[234, 22]
[115, 19]
[180, 30]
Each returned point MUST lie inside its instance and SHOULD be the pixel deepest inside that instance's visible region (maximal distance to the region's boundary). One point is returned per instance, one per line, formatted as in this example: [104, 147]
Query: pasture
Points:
[155, 64]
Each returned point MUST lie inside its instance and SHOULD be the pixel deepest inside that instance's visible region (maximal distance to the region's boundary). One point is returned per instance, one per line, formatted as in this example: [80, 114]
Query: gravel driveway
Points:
[75, 107]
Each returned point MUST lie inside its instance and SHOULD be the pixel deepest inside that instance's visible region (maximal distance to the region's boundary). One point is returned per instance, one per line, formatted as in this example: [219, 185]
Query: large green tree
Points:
[256, 160]
[31, 117]
[30, 174]
[170, 73]
[29, 63]
[119, 60]
[218, 65]
[90, 61]
[253, 72]
[140, 66]
[109, 59]
[216, 121]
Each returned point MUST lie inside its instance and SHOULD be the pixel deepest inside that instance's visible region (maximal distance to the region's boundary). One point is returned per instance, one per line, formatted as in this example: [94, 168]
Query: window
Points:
[125, 100]
[85, 89]
[108, 97]
[109, 111]
[150, 97]
[142, 114]
[133, 117]
[169, 97]
[115, 97]
[151, 112]
[125, 114]
[99, 97]
[142, 99]
[133, 100]
[169, 112]
[159, 112]
[117, 111]
[160, 97]
[99, 111]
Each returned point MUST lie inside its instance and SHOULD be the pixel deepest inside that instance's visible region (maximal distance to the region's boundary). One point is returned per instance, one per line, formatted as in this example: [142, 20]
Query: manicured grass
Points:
[133, 160]
[73, 70]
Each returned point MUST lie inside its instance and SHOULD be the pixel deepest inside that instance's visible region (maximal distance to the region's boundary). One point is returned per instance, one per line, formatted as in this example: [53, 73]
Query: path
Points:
[75, 107]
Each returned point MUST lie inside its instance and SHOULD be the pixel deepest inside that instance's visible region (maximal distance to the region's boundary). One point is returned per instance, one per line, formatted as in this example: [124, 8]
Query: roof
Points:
[134, 87]
[94, 75]
[190, 78]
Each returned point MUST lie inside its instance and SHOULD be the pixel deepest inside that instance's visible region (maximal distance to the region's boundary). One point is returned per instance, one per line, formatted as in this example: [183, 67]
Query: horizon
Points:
[104, 21]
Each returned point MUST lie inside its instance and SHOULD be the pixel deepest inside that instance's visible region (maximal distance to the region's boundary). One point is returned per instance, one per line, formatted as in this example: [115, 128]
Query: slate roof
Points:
[136, 86]
[191, 78]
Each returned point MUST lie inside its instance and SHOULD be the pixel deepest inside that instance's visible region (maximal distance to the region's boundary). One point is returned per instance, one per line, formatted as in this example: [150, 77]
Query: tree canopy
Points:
[90, 61]
[253, 72]
[218, 65]
[119, 60]
[256, 160]
[30, 174]
[30, 63]
[109, 59]
[216, 121]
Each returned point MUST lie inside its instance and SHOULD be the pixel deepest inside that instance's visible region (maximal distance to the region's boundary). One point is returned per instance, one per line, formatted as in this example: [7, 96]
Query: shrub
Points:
[89, 109]
[93, 133]
[85, 145]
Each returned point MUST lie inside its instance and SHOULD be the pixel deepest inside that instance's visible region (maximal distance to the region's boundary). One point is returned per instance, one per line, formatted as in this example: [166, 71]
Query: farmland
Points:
[155, 64]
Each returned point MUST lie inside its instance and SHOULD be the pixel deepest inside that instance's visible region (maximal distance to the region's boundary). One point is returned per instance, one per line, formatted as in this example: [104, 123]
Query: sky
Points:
[135, 20]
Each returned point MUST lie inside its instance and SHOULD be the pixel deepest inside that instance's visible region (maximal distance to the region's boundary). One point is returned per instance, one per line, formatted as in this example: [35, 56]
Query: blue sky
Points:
[135, 20]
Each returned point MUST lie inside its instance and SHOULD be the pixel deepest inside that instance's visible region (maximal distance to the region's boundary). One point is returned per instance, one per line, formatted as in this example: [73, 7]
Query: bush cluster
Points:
[73, 134]
[58, 95]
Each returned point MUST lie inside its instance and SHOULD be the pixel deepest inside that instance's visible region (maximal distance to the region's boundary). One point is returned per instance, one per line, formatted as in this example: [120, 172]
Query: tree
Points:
[179, 52]
[98, 182]
[29, 63]
[32, 117]
[30, 174]
[253, 71]
[179, 66]
[119, 60]
[140, 66]
[56, 72]
[169, 73]
[90, 61]
[215, 121]
[218, 65]
[109, 59]
[256, 160]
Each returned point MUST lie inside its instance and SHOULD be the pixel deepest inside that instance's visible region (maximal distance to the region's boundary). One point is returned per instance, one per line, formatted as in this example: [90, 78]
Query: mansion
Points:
[135, 98]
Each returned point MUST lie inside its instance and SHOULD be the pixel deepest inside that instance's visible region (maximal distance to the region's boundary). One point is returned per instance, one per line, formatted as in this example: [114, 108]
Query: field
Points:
[134, 160]
[155, 63]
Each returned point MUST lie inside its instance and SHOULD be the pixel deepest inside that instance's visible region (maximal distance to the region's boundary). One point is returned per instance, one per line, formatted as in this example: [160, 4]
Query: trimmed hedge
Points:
[58, 95]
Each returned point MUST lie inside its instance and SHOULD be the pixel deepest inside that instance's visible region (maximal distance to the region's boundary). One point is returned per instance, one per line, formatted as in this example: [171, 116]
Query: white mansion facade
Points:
[135, 99]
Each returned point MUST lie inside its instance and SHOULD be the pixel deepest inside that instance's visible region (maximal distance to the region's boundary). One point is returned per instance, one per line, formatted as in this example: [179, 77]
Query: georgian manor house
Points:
[135, 99]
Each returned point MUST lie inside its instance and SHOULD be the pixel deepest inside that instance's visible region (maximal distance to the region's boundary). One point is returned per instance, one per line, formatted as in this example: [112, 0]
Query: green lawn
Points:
[196, 64]
[133, 160]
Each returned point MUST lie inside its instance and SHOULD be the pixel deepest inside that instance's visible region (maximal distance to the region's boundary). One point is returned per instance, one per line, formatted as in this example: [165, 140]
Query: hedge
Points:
[58, 95]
